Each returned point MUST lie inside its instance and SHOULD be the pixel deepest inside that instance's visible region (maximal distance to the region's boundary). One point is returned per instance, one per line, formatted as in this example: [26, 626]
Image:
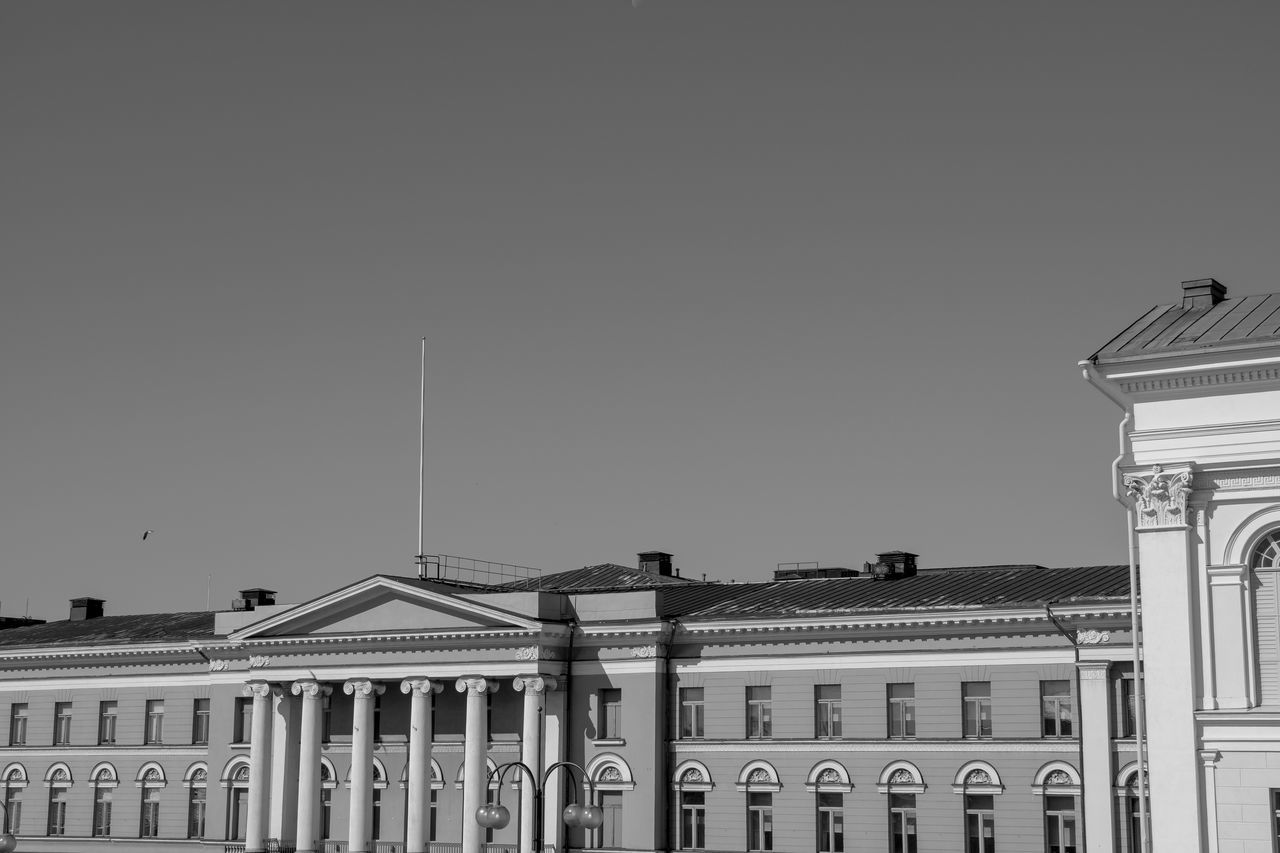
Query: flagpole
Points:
[422, 442]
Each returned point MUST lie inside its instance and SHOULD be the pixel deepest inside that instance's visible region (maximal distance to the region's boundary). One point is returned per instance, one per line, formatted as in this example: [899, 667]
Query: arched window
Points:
[104, 781]
[977, 777]
[902, 781]
[1264, 575]
[59, 780]
[760, 780]
[151, 780]
[829, 782]
[328, 781]
[1059, 784]
[13, 782]
[235, 776]
[691, 781]
[197, 782]
[612, 776]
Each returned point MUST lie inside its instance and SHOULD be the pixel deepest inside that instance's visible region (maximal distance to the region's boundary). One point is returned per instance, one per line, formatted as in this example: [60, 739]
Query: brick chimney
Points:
[86, 608]
[655, 562]
[252, 599]
[1202, 293]
[892, 564]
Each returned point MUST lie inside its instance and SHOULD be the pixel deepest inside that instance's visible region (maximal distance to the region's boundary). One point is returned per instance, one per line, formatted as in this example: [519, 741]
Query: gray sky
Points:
[746, 282]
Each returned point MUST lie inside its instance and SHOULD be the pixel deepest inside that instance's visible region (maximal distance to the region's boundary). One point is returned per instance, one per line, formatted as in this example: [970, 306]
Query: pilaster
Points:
[1095, 749]
[1229, 603]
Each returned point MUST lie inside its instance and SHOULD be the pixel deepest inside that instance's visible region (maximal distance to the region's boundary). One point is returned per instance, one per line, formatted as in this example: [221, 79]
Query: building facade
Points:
[1198, 383]
[884, 709]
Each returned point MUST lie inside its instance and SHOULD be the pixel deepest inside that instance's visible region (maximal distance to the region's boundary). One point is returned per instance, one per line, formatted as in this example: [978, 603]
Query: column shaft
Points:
[360, 829]
[534, 687]
[259, 767]
[308, 825]
[474, 772]
[417, 821]
[1095, 748]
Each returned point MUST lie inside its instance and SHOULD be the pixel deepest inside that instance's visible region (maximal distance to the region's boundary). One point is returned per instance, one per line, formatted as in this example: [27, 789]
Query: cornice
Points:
[833, 748]
[994, 618]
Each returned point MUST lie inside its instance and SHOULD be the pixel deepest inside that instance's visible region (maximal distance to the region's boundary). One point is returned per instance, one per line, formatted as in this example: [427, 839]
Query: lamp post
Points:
[497, 816]
[7, 842]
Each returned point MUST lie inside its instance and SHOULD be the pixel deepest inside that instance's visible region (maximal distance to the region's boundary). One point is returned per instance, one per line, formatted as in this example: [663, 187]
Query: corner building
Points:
[829, 710]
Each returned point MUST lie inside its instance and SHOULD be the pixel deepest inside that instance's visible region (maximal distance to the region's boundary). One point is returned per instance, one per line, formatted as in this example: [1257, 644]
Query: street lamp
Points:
[496, 816]
[7, 842]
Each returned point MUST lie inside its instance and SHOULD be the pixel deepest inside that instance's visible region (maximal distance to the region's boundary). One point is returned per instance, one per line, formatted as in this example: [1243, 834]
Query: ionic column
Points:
[308, 827]
[475, 777]
[420, 736]
[534, 687]
[1095, 750]
[362, 691]
[255, 836]
[284, 766]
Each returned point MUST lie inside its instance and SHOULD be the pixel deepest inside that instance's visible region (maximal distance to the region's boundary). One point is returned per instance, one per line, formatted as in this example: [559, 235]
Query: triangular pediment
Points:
[381, 606]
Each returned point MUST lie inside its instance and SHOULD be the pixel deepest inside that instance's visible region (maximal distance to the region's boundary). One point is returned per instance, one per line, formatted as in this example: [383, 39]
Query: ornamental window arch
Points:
[977, 777]
[1126, 781]
[328, 774]
[13, 781]
[58, 776]
[759, 776]
[235, 773]
[610, 772]
[379, 774]
[151, 775]
[14, 775]
[901, 777]
[489, 766]
[828, 777]
[103, 775]
[692, 775]
[1056, 777]
[196, 776]
[436, 775]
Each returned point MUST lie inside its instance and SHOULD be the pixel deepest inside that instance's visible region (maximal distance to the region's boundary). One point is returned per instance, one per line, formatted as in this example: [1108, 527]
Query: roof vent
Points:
[251, 599]
[892, 564]
[655, 562]
[1202, 293]
[86, 608]
[810, 571]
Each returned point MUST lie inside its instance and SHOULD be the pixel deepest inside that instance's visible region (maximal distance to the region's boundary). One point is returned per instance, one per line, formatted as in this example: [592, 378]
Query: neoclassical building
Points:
[830, 710]
[1198, 385]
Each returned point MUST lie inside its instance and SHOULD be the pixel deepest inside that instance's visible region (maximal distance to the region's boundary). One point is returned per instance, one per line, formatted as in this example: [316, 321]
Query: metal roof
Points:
[978, 588]
[1247, 321]
[109, 630]
[604, 577]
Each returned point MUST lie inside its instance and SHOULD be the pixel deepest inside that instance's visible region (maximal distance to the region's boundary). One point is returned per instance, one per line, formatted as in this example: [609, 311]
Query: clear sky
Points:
[750, 283]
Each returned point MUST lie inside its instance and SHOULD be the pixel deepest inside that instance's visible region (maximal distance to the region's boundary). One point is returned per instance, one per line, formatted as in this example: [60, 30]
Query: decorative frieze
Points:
[1160, 497]
[531, 653]
[258, 661]
[219, 665]
[644, 652]
[1090, 637]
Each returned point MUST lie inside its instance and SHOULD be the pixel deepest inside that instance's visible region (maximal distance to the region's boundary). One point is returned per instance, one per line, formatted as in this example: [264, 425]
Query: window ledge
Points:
[609, 741]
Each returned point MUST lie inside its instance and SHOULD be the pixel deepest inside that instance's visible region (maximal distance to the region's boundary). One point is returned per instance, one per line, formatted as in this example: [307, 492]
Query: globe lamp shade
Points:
[592, 817]
[573, 814]
[8, 843]
[493, 816]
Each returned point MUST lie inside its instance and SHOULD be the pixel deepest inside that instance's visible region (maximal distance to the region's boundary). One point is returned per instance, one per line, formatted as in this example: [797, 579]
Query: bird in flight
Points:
[146, 533]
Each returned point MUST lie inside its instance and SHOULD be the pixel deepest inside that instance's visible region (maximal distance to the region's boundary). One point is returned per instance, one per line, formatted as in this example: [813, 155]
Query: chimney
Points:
[252, 599]
[893, 564]
[655, 562]
[86, 608]
[1202, 293]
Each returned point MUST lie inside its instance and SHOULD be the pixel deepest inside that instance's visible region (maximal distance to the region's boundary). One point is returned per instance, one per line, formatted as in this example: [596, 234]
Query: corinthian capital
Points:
[258, 689]
[310, 688]
[476, 684]
[423, 686]
[1160, 497]
[362, 687]
[533, 683]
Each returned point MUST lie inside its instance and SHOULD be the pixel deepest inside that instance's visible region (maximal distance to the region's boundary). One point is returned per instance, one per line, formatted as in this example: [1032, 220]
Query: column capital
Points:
[1229, 575]
[533, 684]
[475, 684]
[307, 687]
[1159, 495]
[1210, 757]
[423, 686]
[258, 689]
[1093, 670]
[362, 687]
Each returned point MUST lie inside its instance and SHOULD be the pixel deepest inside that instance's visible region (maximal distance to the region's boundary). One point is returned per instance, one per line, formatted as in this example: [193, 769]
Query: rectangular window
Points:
[759, 822]
[376, 816]
[1275, 811]
[195, 812]
[691, 712]
[759, 713]
[12, 817]
[57, 812]
[826, 711]
[326, 811]
[1135, 823]
[1127, 719]
[980, 824]
[154, 732]
[902, 710]
[200, 721]
[61, 723]
[693, 819]
[326, 719]
[610, 714]
[101, 811]
[830, 823]
[432, 831]
[150, 824]
[610, 832]
[244, 719]
[1055, 705]
[237, 814]
[18, 724]
[902, 823]
[107, 722]
[1060, 824]
[377, 718]
[976, 713]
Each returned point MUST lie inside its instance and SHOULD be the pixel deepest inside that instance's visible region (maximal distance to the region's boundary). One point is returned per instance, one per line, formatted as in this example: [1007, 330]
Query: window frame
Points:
[19, 714]
[828, 712]
[830, 821]
[201, 720]
[900, 813]
[901, 710]
[62, 723]
[1057, 715]
[759, 821]
[609, 725]
[974, 808]
[759, 712]
[692, 713]
[108, 716]
[153, 722]
[1058, 818]
[973, 704]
